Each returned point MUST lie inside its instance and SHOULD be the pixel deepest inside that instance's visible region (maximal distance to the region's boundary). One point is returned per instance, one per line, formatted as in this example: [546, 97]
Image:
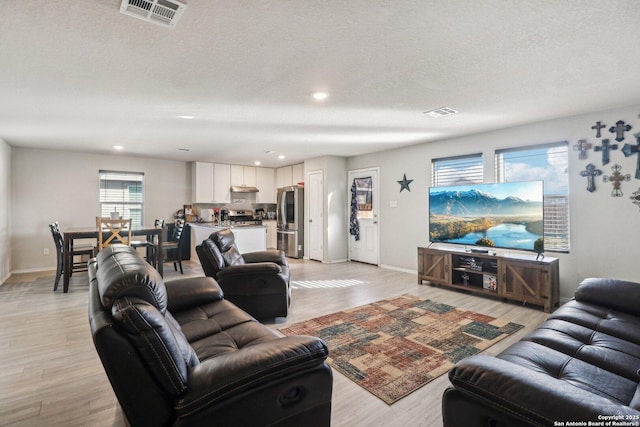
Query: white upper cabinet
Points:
[289, 175]
[283, 176]
[297, 173]
[243, 176]
[210, 183]
[266, 183]
[221, 183]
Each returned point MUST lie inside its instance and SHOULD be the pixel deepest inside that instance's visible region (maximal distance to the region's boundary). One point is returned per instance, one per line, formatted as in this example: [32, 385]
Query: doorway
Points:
[316, 217]
[363, 216]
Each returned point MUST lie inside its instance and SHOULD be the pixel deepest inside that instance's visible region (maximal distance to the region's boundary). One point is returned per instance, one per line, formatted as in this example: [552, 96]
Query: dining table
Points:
[91, 232]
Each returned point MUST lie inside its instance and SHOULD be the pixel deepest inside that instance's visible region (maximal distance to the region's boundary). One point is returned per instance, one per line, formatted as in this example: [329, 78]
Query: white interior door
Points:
[316, 215]
[363, 245]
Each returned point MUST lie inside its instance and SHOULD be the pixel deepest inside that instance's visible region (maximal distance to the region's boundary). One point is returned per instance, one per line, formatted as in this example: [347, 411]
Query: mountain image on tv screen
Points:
[504, 215]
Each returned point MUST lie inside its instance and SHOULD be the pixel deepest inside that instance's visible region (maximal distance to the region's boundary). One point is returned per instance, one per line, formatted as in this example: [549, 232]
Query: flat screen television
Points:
[503, 215]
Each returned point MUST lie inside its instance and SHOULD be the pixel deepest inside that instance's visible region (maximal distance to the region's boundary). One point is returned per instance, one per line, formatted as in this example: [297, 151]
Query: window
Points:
[459, 170]
[549, 162]
[364, 196]
[122, 192]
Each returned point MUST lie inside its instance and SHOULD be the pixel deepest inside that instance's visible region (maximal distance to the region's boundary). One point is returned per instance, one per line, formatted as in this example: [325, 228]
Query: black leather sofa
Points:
[179, 354]
[579, 367]
[257, 282]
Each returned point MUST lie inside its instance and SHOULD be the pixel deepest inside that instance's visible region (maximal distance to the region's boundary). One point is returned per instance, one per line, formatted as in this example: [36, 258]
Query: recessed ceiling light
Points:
[281, 156]
[118, 147]
[257, 163]
[187, 117]
[320, 96]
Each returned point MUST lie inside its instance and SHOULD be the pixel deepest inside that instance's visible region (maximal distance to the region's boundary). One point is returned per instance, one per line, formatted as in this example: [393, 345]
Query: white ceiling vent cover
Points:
[441, 112]
[161, 12]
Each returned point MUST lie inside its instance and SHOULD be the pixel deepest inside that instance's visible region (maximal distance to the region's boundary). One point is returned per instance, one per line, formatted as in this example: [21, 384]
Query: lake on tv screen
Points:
[506, 235]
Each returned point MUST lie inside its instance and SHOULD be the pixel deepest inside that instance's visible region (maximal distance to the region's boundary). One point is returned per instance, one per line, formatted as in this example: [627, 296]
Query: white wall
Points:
[335, 244]
[61, 186]
[605, 230]
[5, 207]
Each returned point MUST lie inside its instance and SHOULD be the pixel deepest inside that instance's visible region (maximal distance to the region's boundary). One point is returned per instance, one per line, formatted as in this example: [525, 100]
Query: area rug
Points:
[395, 346]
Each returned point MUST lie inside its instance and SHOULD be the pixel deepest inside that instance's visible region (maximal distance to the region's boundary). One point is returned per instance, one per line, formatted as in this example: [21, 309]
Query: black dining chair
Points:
[76, 251]
[150, 244]
[172, 248]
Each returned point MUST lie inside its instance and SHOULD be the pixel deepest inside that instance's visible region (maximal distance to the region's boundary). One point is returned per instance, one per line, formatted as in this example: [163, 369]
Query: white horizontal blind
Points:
[122, 192]
[460, 170]
[549, 162]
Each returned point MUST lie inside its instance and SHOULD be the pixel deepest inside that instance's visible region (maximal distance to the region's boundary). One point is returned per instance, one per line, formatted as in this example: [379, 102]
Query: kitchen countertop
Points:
[232, 226]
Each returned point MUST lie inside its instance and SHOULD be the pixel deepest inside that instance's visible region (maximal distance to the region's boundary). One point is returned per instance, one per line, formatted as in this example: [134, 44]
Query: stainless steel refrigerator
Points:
[290, 216]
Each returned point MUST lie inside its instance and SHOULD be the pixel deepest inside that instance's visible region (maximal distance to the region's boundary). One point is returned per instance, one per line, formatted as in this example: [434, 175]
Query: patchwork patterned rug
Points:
[395, 346]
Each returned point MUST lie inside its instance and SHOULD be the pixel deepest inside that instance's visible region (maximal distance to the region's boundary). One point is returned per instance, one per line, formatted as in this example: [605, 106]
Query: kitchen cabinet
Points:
[289, 175]
[297, 173]
[266, 183]
[243, 176]
[210, 183]
[283, 176]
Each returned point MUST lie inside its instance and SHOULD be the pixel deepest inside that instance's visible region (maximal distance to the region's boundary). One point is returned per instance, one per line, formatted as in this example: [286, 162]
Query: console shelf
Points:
[511, 277]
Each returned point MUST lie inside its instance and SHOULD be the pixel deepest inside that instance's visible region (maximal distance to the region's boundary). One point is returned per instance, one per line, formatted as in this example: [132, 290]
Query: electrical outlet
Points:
[46, 251]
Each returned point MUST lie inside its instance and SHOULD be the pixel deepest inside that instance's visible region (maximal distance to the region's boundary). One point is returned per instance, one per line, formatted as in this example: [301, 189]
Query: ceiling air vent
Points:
[161, 12]
[441, 112]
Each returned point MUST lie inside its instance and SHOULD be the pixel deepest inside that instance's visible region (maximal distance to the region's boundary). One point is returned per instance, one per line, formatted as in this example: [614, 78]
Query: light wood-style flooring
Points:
[50, 373]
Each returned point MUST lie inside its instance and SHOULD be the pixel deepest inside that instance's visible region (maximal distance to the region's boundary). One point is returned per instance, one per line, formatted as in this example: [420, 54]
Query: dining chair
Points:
[173, 247]
[150, 244]
[76, 251]
[112, 231]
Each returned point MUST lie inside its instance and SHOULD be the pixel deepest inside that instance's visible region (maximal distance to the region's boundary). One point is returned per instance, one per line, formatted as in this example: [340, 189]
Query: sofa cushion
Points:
[221, 327]
[122, 272]
[620, 295]
[213, 255]
[226, 243]
[159, 341]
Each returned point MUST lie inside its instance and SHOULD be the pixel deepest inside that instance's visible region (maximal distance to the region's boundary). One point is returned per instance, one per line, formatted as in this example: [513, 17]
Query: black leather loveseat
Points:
[580, 367]
[177, 353]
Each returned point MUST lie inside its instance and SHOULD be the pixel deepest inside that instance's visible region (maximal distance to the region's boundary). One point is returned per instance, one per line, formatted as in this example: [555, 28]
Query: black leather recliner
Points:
[257, 282]
[179, 354]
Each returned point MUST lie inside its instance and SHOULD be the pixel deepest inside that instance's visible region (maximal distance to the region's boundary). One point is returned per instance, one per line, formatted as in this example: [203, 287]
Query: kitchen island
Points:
[249, 238]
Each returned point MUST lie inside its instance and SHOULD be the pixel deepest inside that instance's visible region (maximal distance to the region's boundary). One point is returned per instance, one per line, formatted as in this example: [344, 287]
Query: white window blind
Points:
[549, 162]
[458, 170]
[122, 192]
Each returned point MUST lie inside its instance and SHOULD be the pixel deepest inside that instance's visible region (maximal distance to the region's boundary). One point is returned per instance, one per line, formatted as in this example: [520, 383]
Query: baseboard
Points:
[403, 270]
[33, 270]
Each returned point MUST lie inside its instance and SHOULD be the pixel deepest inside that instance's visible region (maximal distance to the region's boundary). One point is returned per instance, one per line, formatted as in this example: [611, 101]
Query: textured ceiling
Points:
[79, 75]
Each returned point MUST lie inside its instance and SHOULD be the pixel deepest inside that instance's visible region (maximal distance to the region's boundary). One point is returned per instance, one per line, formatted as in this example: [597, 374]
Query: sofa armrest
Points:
[222, 377]
[270, 255]
[621, 295]
[257, 269]
[498, 383]
[190, 292]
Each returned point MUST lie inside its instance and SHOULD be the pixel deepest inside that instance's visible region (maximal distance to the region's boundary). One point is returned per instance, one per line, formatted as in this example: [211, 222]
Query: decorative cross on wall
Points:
[635, 197]
[590, 172]
[605, 148]
[616, 178]
[582, 146]
[619, 129]
[597, 128]
[629, 150]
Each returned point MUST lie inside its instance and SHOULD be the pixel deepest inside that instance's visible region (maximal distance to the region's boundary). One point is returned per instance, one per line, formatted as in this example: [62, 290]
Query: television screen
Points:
[503, 215]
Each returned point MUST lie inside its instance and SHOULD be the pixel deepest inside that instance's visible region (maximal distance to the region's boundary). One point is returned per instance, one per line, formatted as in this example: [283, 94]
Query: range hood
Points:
[243, 189]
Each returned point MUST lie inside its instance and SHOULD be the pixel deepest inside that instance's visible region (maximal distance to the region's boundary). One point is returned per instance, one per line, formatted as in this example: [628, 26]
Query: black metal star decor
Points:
[405, 183]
